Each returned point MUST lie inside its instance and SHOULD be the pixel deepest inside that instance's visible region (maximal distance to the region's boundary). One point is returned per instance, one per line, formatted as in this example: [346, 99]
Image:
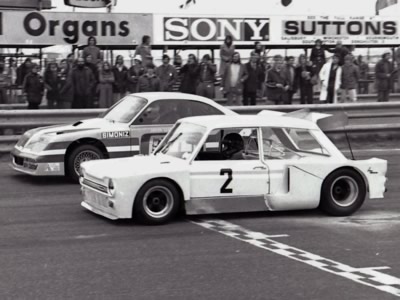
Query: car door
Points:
[236, 184]
[150, 127]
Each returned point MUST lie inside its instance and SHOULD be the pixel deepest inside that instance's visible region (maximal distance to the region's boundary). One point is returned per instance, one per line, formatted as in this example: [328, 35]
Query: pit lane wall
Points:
[366, 119]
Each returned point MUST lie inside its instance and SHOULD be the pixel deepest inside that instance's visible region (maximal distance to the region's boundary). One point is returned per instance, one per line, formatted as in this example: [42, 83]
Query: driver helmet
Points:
[231, 144]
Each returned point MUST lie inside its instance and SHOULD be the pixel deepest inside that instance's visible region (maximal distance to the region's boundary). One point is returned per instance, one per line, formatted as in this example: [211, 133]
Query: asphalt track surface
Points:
[51, 248]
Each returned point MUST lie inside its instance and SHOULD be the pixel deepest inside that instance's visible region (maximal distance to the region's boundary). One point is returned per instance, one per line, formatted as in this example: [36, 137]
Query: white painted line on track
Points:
[371, 277]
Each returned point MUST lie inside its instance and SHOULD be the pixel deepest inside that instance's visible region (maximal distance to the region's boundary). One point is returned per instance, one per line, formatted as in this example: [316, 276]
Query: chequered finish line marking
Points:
[366, 276]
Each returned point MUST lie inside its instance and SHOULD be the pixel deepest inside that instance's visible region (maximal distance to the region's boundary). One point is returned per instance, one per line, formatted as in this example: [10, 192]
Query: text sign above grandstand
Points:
[350, 30]
[52, 28]
[210, 30]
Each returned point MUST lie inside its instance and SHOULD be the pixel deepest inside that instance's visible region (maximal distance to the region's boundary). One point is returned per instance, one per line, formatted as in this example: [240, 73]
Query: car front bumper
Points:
[98, 203]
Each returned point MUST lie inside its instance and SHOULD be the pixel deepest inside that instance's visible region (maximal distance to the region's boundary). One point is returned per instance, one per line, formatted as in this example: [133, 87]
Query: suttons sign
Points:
[203, 29]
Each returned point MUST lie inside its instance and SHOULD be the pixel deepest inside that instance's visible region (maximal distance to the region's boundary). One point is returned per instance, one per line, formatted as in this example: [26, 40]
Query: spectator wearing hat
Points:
[144, 50]
[350, 78]
[33, 87]
[190, 75]
[120, 79]
[235, 75]
[206, 78]
[134, 74]
[277, 82]
[149, 82]
[331, 80]
[383, 74]
[167, 74]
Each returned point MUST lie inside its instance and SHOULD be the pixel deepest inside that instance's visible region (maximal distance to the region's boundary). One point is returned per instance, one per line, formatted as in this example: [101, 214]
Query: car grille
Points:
[96, 186]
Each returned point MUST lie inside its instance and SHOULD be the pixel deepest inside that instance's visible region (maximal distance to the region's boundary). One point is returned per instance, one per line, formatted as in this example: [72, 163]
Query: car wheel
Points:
[79, 155]
[157, 202]
[343, 192]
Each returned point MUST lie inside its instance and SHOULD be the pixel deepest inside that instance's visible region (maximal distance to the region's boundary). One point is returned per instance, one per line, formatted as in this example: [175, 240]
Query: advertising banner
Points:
[57, 28]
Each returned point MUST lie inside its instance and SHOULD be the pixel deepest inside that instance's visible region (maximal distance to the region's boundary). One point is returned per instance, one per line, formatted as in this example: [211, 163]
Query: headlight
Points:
[37, 143]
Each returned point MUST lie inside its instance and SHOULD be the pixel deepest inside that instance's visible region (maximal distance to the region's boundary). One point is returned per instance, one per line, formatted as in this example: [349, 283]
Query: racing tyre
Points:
[79, 155]
[343, 193]
[157, 202]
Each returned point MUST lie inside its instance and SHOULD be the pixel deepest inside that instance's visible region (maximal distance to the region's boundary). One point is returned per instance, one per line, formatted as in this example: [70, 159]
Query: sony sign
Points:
[208, 29]
[87, 3]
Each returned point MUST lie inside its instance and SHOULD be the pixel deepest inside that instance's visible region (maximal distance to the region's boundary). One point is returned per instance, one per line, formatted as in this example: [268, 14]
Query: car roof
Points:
[250, 121]
[155, 96]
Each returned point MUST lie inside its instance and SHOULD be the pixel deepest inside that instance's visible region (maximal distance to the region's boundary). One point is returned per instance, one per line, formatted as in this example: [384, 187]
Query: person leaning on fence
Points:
[190, 75]
[134, 74]
[206, 78]
[105, 86]
[167, 74]
[33, 87]
[303, 80]
[83, 82]
[51, 84]
[121, 79]
[350, 78]
[277, 82]
[331, 80]
[383, 74]
[235, 75]
[66, 88]
[149, 82]
[253, 81]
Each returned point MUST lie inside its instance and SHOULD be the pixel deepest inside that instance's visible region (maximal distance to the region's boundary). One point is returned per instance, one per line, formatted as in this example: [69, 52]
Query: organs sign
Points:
[53, 28]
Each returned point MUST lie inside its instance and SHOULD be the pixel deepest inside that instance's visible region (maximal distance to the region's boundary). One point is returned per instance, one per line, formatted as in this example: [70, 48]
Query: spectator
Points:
[383, 74]
[95, 70]
[134, 74]
[265, 66]
[304, 74]
[253, 81]
[23, 70]
[331, 77]
[83, 82]
[364, 72]
[258, 49]
[120, 79]
[340, 51]
[92, 65]
[206, 76]
[12, 75]
[277, 81]
[350, 77]
[105, 86]
[235, 75]
[149, 82]
[33, 87]
[177, 65]
[144, 50]
[290, 71]
[317, 56]
[93, 50]
[65, 85]
[51, 84]
[190, 76]
[166, 74]
[4, 83]
[226, 53]
[71, 61]
[397, 59]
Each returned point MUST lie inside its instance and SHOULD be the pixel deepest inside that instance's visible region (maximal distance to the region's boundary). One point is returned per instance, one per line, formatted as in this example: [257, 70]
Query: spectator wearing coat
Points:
[331, 80]
[105, 86]
[33, 87]
[23, 70]
[178, 66]
[92, 50]
[120, 79]
[253, 81]
[340, 51]
[317, 56]
[350, 78]
[83, 82]
[277, 82]
[144, 50]
[304, 74]
[134, 74]
[51, 83]
[167, 74]
[235, 75]
[149, 82]
[290, 72]
[65, 85]
[383, 74]
[206, 75]
[226, 53]
[364, 74]
[190, 75]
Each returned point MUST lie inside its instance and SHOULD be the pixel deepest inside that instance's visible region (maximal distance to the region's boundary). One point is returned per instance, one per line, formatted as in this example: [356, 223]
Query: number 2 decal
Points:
[224, 189]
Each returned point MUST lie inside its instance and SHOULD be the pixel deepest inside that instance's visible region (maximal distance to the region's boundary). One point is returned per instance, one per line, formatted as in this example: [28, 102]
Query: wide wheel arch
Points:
[348, 168]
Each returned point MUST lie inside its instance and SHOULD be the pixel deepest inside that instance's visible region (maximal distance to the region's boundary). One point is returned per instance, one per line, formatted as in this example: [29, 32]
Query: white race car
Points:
[219, 164]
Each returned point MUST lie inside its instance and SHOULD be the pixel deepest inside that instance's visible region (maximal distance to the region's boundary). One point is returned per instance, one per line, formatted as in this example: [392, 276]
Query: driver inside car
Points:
[232, 147]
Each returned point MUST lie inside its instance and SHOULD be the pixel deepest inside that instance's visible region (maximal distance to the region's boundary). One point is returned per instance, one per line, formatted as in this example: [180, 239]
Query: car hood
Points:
[133, 166]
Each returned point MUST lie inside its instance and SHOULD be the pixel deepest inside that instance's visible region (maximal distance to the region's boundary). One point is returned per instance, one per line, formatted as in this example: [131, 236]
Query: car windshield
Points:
[125, 109]
[182, 140]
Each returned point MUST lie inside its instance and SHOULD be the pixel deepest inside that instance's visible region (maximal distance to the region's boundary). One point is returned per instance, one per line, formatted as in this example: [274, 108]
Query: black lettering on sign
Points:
[224, 189]
[124, 28]
[28, 23]
[89, 28]
[292, 28]
[71, 30]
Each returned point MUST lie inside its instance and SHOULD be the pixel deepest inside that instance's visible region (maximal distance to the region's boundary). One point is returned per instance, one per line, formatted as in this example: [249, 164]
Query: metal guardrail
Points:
[13, 120]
